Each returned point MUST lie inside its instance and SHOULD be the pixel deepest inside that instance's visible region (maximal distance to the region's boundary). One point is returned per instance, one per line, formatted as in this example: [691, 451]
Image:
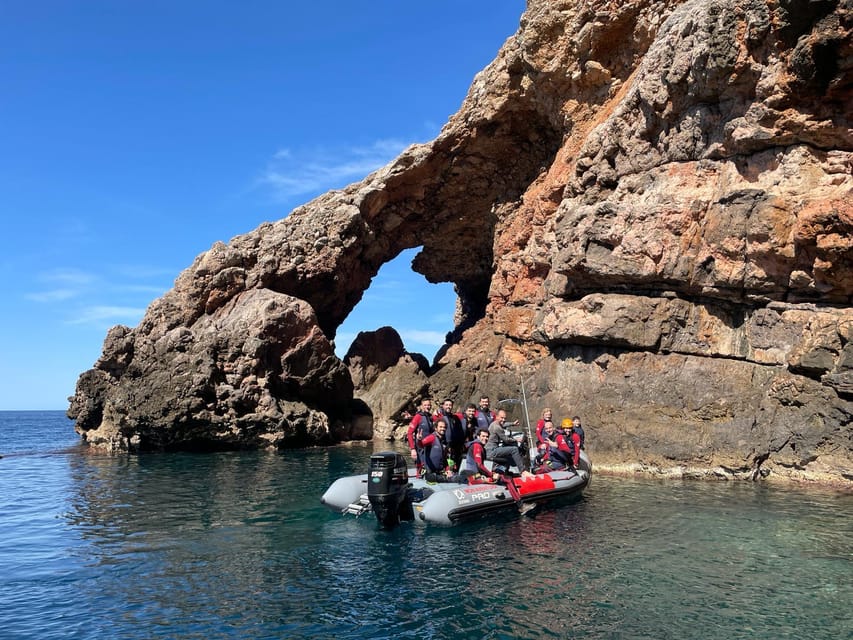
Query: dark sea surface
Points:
[237, 545]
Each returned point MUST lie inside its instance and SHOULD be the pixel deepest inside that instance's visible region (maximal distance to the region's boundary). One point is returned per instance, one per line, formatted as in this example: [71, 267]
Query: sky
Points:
[136, 133]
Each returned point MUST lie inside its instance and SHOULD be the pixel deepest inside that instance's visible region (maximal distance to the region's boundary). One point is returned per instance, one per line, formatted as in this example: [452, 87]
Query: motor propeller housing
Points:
[387, 488]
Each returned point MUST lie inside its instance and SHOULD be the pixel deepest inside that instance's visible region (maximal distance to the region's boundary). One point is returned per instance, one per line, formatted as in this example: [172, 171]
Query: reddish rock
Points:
[655, 198]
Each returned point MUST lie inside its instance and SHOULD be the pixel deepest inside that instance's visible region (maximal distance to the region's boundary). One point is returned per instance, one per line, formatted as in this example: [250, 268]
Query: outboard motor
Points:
[387, 488]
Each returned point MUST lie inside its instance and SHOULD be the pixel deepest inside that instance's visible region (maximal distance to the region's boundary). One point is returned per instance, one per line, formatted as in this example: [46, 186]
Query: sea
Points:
[237, 545]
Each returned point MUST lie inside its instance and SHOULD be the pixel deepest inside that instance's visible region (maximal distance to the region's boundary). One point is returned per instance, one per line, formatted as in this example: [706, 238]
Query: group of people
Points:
[438, 442]
[558, 447]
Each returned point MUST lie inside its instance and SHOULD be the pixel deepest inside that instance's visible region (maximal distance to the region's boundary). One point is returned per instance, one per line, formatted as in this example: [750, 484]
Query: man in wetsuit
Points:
[485, 416]
[559, 452]
[501, 448]
[468, 420]
[435, 454]
[455, 434]
[419, 428]
[475, 463]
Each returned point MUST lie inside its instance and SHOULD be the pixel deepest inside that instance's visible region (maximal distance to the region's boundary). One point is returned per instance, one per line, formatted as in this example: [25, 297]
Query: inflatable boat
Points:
[392, 492]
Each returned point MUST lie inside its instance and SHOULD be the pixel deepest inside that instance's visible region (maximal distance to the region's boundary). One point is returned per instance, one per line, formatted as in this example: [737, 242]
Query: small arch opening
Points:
[422, 313]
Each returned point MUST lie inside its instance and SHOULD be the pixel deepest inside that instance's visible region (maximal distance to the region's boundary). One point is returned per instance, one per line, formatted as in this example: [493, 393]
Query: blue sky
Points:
[135, 134]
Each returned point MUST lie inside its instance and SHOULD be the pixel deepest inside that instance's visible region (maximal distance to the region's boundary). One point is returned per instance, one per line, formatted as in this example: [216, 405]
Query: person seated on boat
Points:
[475, 462]
[503, 449]
[437, 467]
[577, 427]
[559, 452]
[419, 428]
[572, 440]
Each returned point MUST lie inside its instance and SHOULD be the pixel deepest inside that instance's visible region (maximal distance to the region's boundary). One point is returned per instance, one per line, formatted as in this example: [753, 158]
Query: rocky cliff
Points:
[655, 203]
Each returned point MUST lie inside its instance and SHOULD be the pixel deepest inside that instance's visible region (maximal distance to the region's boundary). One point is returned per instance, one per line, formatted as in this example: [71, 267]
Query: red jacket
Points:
[576, 440]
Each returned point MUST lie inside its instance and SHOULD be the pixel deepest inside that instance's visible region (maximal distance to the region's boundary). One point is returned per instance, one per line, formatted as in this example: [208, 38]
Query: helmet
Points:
[567, 423]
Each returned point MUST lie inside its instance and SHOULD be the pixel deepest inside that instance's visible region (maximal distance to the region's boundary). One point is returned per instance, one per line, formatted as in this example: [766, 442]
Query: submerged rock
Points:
[651, 204]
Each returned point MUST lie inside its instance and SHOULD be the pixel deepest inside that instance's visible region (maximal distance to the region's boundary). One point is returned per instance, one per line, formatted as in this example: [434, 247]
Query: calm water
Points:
[238, 546]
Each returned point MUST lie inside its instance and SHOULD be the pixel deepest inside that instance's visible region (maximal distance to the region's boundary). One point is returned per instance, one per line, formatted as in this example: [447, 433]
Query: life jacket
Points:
[470, 460]
[557, 455]
[435, 455]
[579, 430]
[468, 426]
[485, 419]
[567, 436]
[424, 428]
[455, 433]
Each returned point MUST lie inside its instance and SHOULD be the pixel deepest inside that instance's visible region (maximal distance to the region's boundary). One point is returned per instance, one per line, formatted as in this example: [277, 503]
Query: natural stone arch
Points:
[268, 288]
[442, 196]
[423, 314]
[662, 189]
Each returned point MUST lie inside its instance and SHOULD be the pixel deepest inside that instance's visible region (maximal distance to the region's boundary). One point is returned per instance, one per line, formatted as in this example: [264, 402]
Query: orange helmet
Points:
[567, 423]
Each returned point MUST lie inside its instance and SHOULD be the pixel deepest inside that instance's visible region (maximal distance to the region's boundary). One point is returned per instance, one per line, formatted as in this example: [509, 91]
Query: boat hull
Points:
[449, 503]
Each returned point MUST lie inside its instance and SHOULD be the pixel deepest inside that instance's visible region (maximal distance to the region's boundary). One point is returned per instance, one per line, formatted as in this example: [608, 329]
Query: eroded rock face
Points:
[387, 378]
[657, 204]
[257, 371]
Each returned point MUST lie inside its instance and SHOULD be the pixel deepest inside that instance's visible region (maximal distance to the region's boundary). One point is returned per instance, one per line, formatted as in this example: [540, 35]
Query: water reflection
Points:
[237, 545]
[188, 538]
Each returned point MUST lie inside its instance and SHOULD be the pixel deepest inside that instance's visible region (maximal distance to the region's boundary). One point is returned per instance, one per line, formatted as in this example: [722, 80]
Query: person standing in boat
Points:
[475, 463]
[435, 454]
[577, 427]
[547, 414]
[419, 428]
[468, 420]
[485, 416]
[503, 448]
[455, 434]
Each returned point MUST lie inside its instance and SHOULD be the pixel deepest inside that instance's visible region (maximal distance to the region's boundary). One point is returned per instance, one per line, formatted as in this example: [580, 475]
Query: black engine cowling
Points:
[387, 488]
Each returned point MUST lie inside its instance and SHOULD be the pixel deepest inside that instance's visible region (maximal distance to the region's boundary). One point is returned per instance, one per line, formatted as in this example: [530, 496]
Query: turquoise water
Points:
[238, 546]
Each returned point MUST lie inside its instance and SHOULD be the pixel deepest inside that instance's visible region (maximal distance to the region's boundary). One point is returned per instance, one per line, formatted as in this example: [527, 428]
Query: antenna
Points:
[530, 443]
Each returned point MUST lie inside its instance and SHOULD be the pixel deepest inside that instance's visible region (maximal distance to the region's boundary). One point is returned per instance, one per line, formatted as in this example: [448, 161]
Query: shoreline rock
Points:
[801, 479]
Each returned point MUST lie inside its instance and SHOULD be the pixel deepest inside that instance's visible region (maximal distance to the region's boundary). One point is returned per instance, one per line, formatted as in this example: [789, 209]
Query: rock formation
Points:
[386, 379]
[656, 201]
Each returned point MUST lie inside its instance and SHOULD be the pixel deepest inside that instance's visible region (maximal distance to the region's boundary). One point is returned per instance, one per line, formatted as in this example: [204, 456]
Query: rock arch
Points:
[645, 210]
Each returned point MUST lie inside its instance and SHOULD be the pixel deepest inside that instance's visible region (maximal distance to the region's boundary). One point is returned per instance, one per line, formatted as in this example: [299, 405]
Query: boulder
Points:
[386, 379]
